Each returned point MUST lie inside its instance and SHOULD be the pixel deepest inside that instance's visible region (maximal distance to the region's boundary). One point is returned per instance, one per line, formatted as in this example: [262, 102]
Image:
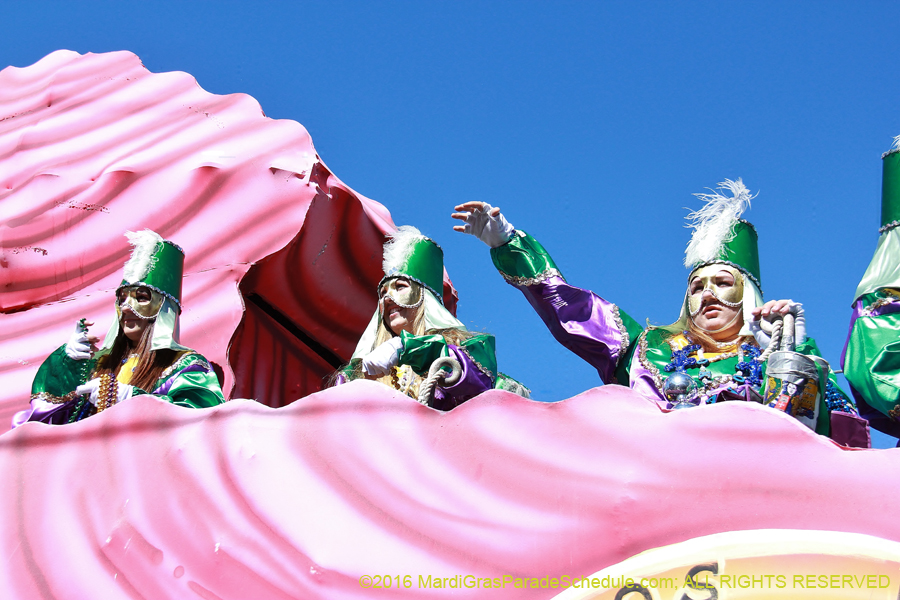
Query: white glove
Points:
[78, 347]
[92, 390]
[493, 231]
[382, 359]
[763, 338]
[796, 309]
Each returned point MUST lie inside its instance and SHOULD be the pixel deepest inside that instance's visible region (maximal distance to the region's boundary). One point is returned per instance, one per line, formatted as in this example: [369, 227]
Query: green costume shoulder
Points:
[59, 375]
[872, 358]
[190, 382]
[420, 351]
[523, 259]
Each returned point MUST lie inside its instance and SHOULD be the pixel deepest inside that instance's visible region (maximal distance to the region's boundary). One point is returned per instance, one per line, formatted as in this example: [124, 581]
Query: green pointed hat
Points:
[155, 263]
[884, 269]
[720, 235]
[890, 187]
[412, 255]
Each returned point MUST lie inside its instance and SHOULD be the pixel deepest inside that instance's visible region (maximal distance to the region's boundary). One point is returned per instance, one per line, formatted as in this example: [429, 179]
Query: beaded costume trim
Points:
[53, 399]
[894, 413]
[529, 281]
[868, 311]
[508, 384]
[625, 339]
[651, 368]
[481, 367]
[179, 364]
[888, 227]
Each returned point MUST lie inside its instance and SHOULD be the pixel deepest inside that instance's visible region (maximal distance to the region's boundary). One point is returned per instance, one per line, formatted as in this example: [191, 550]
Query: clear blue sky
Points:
[589, 123]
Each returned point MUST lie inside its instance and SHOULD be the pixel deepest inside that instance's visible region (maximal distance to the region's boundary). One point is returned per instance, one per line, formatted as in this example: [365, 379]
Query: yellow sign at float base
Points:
[785, 564]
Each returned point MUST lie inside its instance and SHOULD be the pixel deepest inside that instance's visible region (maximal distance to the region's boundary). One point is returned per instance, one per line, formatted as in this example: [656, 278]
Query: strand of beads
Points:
[108, 393]
[681, 359]
[84, 364]
[748, 365]
[836, 400]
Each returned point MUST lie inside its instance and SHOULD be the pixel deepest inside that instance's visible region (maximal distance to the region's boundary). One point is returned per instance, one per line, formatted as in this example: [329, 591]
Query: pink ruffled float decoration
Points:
[243, 501]
[93, 145]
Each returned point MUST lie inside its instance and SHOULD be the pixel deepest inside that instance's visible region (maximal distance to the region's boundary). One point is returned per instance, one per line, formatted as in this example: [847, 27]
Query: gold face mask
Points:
[143, 301]
[709, 278]
[402, 292]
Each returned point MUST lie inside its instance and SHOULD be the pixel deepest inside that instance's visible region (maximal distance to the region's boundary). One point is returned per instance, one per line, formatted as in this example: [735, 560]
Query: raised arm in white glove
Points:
[484, 222]
[92, 390]
[81, 344]
[778, 307]
[382, 359]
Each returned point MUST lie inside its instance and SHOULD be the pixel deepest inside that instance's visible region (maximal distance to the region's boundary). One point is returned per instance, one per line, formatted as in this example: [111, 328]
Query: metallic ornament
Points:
[680, 390]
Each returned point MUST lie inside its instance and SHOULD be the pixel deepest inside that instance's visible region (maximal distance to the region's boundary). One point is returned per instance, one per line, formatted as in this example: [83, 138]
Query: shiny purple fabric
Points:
[581, 321]
[45, 412]
[585, 323]
[472, 382]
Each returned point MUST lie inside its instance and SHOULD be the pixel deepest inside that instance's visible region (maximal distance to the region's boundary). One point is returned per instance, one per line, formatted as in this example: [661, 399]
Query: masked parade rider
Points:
[871, 357]
[140, 354]
[714, 352]
[411, 330]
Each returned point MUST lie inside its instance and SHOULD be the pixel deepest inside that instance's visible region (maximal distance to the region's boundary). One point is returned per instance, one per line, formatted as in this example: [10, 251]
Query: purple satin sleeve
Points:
[581, 321]
[473, 382]
[44, 412]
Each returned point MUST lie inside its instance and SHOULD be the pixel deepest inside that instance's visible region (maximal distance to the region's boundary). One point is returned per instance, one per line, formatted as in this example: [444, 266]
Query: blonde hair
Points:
[151, 363]
[383, 334]
[704, 339]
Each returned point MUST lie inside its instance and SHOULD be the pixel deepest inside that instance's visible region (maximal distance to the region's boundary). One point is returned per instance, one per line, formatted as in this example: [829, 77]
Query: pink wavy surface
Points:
[149, 500]
[94, 145]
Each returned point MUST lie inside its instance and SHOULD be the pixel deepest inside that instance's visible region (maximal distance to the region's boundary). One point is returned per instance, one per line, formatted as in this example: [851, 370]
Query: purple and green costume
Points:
[412, 256]
[623, 352]
[476, 356]
[871, 357]
[190, 382]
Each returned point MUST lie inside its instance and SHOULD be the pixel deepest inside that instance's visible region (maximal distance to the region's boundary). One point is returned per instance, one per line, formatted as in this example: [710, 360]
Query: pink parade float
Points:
[355, 491]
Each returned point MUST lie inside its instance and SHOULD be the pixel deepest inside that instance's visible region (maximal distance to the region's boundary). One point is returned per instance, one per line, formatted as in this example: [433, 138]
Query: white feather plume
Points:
[713, 224]
[398, 249]
[896, 144]
[144, 245]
